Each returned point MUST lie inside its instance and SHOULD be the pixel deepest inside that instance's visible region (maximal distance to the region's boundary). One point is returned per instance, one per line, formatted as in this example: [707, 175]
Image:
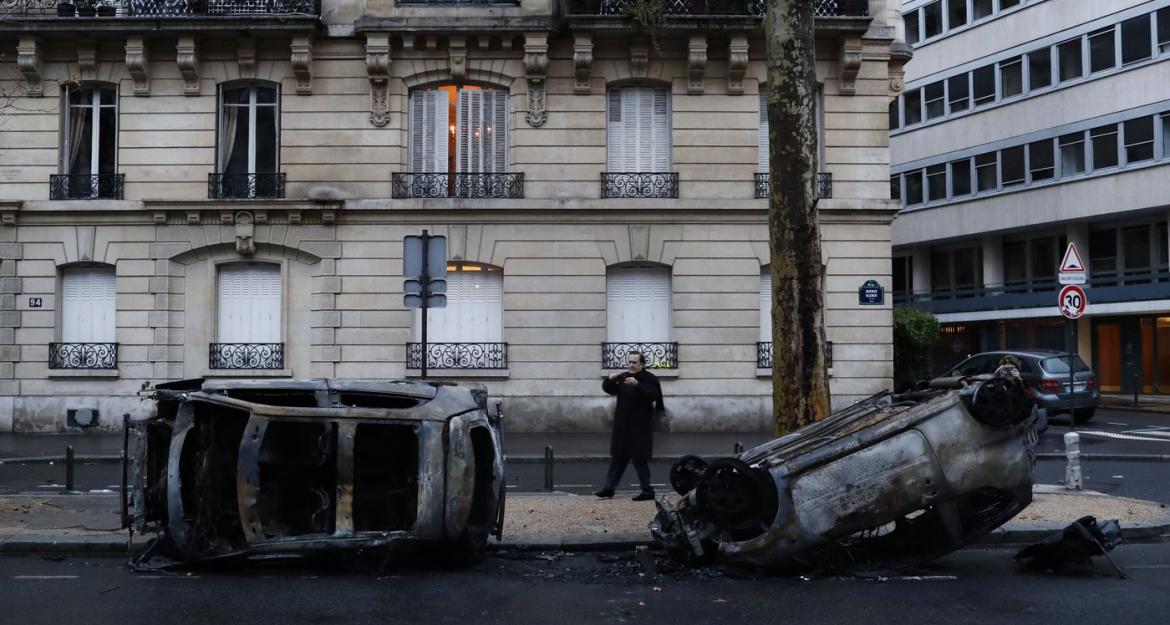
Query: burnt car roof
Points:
[412, 388]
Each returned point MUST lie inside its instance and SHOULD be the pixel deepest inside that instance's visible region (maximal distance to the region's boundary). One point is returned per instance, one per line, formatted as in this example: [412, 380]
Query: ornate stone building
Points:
[222, 187]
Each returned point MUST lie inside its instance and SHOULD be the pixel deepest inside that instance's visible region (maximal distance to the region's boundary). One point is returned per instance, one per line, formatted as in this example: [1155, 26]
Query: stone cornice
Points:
[122, 26]
[440, 25]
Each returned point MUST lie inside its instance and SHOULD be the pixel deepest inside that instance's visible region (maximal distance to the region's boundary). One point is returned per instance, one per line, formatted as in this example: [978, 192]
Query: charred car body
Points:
[894, 480]
[240, 467]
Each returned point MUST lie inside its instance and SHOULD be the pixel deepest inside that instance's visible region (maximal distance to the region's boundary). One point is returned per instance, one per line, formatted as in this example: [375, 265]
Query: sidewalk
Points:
[1145, 403]
[89, 523]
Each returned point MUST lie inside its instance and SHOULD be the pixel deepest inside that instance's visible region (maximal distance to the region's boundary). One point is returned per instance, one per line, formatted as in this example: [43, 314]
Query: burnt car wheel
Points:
[1000, 403]
[737, 498]
[686, 473]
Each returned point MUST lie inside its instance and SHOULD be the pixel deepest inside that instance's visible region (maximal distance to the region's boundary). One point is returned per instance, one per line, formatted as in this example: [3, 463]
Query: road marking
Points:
[38, 577]
[1147, 566]
[1115, 423]
[1124, 437]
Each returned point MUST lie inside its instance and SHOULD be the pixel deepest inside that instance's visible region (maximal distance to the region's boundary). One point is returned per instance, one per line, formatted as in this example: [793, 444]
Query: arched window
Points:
[88, 319]
[638, 302]
[469, 332]
[248, 328]
[248, 154]
[89, 143]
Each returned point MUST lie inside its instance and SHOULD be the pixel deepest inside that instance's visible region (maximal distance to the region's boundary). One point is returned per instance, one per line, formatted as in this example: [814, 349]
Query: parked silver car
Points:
[1046, 374]
[239, 467]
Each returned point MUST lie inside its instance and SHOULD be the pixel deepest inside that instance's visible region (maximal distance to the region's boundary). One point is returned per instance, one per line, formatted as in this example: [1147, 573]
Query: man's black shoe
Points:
[644, 496]
[604, 493]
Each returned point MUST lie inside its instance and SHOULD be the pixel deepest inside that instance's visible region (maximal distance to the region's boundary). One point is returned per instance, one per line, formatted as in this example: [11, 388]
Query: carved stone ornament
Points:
[378, 70]
[138, 63]
[187, 57]
[850, 63]
[582, 61]
[639, 59]
[28, 58]
[696, 63]
[247, 56]
[245, 233]
[535, 70]
[457, 47]
[302, 63]
[737, 62]
[87, 61]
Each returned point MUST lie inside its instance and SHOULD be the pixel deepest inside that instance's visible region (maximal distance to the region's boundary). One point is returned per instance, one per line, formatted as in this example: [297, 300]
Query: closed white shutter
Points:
[766, 304]
[88, 305]
[482, 131]
[474, 311]
[249, 303]
[762, 139]
[638, 130]
[638, 304]
[428, 131]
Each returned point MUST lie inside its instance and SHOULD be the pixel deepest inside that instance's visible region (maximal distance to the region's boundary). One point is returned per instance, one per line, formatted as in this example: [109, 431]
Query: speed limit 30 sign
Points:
[1072, 301]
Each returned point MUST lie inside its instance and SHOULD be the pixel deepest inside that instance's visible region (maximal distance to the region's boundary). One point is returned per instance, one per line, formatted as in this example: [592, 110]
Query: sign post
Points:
[1072, 305]
[424, 267]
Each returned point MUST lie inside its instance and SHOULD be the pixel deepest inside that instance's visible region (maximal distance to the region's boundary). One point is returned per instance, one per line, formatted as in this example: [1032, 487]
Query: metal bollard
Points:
[548, 467]
[738, 449]
[69, 467]
[1072, 472]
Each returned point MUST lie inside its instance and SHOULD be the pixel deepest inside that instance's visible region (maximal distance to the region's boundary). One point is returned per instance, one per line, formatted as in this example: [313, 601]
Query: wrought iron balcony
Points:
[462, 185]
[86, 187]
[656, 355]
[639, 185]
[235, 186]
[458, 355]
[764, 354]
[246, 356]
[158, 8]
[823, 8]
[83, 355]
[824, 186]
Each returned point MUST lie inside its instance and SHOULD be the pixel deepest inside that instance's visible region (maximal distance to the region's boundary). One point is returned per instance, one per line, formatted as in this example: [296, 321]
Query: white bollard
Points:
[1072, 472]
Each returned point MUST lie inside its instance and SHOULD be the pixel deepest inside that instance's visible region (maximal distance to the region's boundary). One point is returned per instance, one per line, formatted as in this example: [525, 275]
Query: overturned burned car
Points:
[241, 467]
[892, 481]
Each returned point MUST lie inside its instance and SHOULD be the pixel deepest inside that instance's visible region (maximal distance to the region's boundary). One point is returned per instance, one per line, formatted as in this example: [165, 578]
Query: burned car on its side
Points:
[230, 468]
[890, 482]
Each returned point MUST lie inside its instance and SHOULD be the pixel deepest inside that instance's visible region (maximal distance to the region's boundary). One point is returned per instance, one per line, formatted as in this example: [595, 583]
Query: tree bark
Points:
[800, 383]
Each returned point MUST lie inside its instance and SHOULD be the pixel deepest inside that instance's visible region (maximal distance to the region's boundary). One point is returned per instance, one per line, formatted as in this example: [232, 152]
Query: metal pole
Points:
[1072, 403]
[69, 467]
[738, 449]
[125, 462]
[425, 280]
[1072, 471]
[548, 467]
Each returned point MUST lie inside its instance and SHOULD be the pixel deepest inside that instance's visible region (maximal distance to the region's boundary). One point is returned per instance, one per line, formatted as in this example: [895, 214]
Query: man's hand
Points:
[615, 374]
[631, 380]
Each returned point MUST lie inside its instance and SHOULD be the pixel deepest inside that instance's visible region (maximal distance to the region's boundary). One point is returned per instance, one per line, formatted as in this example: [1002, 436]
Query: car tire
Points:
[1085, 414]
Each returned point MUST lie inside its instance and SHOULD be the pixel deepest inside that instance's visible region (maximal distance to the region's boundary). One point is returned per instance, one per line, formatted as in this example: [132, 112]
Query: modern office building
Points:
[1025, 125]
[221, 188]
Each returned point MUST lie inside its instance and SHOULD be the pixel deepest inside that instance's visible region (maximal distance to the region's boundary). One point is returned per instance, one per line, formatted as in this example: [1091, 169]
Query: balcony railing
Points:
[458, 355]
[639, 185]
[83, 355]
[236, 186]
[159, 8]
[824, 186]
[656, 355]
[463, 185]
[86, 187]
[764, 354]
[246, 356]
[823, 8]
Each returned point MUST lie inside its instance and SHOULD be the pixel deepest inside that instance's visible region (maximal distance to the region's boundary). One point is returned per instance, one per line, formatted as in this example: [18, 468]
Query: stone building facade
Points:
[216, 189]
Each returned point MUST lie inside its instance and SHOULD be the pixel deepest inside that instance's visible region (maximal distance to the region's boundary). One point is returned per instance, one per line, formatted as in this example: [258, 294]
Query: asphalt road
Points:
[976, 585]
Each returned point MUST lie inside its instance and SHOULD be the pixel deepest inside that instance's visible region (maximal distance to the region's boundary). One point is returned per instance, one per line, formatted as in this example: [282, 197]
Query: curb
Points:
[1108, 457]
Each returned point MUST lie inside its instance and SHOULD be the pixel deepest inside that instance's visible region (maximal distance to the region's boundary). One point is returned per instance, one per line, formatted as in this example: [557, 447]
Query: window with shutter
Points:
[765, 304]
[474, 311]
[249, 303]
[762, 135]
[638, 130]
[88, 298]
[428, 130]
[638, 304]
[482, 131]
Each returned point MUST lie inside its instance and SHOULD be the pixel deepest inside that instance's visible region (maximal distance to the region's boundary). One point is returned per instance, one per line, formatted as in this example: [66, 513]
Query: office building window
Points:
[956, 13]
[982, 8]
[1139, 139]
[936, 182]
[986, 174]
[1011, 77]
[935, 97]
[961, 177]
[983, 84]
[1041, 161]
[913, 34]
[932, 19]
[1163, 18]
[914, 187]
[1072, 154]
[1102, 50]
[1012, 165]
[1069, 57]
[913, 107]
[894, 115]
[1039, 69]
[1135, 39]
[959, 93]
[1104, 146]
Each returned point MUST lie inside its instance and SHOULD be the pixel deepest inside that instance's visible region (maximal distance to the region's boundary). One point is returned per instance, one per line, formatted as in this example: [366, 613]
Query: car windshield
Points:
[1059, 364]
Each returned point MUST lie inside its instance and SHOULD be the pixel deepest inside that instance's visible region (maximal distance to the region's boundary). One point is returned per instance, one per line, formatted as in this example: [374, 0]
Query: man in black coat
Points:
[638, 394]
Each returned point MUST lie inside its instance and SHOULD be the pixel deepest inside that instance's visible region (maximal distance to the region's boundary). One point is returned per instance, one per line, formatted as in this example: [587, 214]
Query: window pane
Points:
[109, 96]
[265, 139]
[956, 13]
[982, 8]
[1011, 78]
[1163, 18]
[895, 187]
[913, 107]
[913, 187]
[235, 132]
[79, 97]
[912, 36]
[1007, 4]
[1101, 50]
[1135, 39]
[936, 183]
[940, 271]
[79, 155]
[894, 114]
[265, 95]
[1014, 270]
[1040, 160]
[1102, 252]
[961, 177]
[959, 93]
[1040, 68]
[983, 80]
[1104, 146]
[1139, 140]
[932, 19]
[1012, 164]
[1072, 154]
[107, 139]
[238, 95]
[1135, 243]
[985, 174]
[1165, 134]
[1044, 260]
[935, 104]
[1069, 55]
[968, 268]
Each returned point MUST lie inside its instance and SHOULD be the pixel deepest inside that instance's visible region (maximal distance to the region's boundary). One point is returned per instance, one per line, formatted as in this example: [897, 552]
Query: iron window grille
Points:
[165, 8]
[639, 185]
[458, 355]
[824, 185]
[235, 186]
[83, 355]
[86, 186]
[822, 8]
[656, 355]
[764, 358]
[461, 185]
[246, 356]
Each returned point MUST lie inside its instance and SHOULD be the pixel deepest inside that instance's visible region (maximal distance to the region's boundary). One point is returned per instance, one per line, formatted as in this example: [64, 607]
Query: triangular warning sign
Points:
[1072, 262]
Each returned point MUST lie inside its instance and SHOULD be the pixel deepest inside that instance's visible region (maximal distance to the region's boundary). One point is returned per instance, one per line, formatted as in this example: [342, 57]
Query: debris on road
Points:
[1066, 550]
